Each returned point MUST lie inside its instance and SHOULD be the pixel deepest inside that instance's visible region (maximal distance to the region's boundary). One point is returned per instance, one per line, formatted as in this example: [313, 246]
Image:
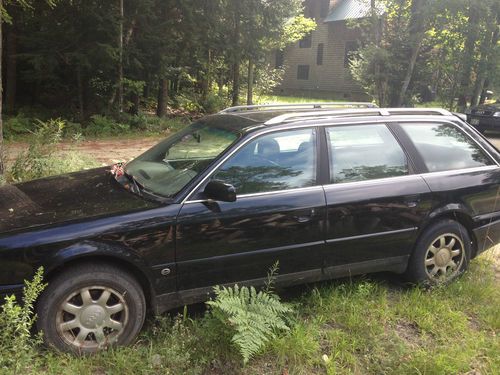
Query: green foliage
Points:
[454, 44]
[17, 125]
[294, 30]
[356, 326]
[105, 126]
[268, 78]
[40, 159]
[254, 317]
[17, 346]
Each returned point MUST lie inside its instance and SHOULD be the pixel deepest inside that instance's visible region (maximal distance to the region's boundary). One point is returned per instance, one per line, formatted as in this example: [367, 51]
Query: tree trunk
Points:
[1, 99]
[251, 67]
[377, 39]
[80, 92]
[486, 64]
[482, 98]
[468, 56]
[236, 83]
[416, 31]
[161, 109]
[120, 62]
[236, 56]
[11, 73]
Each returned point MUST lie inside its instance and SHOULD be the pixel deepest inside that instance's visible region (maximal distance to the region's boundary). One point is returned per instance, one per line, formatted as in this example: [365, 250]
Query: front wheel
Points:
[442, 254]
[91, 307]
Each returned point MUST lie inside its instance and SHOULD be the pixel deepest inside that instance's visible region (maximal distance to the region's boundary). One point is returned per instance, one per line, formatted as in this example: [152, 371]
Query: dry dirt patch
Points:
[107, 151]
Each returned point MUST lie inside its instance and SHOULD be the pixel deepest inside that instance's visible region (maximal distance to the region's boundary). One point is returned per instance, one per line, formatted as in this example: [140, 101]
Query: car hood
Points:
[74, 196]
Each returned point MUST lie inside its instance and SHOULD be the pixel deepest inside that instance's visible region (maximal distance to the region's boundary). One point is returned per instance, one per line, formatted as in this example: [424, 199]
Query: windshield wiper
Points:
[136, 187]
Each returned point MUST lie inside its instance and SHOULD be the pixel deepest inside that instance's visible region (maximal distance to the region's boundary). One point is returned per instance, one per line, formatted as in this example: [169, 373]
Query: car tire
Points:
[90, 307]
[441, 254]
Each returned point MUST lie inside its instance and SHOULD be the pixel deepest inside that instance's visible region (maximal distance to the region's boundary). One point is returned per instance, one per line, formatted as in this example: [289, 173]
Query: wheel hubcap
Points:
[92, 318]
[444, 257]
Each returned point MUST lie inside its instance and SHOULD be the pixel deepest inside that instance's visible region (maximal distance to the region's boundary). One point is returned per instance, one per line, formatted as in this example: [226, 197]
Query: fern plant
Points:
[254, 317]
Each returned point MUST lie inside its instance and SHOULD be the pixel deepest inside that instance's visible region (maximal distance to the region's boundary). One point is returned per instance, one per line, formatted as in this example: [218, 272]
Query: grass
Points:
[363, 325]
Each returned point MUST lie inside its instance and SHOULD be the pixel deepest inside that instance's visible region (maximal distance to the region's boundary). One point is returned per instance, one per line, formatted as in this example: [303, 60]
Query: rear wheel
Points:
[442, 254]
[91, 307]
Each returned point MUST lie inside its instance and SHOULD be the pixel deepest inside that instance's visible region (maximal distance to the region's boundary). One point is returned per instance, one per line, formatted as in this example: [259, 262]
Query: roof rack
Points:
[289, 117]
[242, 108]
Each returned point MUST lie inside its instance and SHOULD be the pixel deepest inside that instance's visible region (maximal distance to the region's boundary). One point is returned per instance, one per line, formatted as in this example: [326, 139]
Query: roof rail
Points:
[364, 111]
[242, 108]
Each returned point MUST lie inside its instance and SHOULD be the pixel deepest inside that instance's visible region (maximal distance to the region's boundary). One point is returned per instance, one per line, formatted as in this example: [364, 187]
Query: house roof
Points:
[352, 9]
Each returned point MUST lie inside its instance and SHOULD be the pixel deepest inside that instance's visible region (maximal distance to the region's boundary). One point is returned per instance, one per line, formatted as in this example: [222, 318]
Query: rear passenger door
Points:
[374, 202]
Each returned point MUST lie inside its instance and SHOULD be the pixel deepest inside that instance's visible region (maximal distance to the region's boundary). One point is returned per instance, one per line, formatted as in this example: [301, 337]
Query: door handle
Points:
[305, 218]
[412, 201]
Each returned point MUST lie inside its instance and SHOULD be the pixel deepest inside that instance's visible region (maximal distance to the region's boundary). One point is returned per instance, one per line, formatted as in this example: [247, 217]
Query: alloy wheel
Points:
[92, 317]
[444, 257]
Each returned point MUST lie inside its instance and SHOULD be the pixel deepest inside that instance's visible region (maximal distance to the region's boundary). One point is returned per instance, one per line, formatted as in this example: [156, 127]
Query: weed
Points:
[17, 346]
[40, 159]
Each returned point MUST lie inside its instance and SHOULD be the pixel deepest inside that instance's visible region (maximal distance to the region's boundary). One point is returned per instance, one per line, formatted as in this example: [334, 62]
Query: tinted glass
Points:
[364, 152]
[170, 165]
[444, 147]
[277, 161]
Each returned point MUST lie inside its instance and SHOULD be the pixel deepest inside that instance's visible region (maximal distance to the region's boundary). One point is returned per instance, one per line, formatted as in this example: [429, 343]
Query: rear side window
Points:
[364, 152]
[445, 147]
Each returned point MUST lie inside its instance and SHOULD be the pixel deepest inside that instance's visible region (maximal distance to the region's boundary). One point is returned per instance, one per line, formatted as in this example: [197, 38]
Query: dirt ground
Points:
[107, 151]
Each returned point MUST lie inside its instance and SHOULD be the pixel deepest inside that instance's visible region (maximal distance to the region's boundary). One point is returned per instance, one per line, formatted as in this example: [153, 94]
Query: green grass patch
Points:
[354, 326]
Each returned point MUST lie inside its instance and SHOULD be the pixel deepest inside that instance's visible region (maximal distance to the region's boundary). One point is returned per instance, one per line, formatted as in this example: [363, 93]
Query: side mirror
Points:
[219, 191]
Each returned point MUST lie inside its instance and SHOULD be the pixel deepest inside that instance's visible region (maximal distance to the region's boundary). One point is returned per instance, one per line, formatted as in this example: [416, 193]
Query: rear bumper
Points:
[487, 236]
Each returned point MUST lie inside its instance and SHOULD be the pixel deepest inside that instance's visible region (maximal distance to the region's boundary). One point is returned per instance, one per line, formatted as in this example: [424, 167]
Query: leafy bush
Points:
[189, 101]
[17, 346]
[213, 103]
[103, 125]
[254, 317]
[40, 159]
[17, 125]
[268, 78]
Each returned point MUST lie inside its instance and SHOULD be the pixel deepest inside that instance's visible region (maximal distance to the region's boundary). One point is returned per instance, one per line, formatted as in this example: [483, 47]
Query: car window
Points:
[445, 147]
[170, 165]
[364, 152]
[277, 161]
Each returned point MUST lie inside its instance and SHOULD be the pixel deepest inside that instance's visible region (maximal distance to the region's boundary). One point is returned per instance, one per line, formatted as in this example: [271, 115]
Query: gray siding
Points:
[332, 76]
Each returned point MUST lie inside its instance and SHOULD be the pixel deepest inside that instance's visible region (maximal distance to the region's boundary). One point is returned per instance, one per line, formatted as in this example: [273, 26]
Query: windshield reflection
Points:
[166, 168]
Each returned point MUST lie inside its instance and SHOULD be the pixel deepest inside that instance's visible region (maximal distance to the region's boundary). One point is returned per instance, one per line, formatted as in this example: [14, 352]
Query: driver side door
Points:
[279, 215]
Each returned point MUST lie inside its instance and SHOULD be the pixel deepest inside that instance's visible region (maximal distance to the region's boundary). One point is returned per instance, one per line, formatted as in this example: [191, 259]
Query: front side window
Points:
[364, 152]
[277, 161]
[170, 165]
[445, 147]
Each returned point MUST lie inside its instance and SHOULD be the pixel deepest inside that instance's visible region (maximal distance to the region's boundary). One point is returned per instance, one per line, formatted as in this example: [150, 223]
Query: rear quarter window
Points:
[445, 147]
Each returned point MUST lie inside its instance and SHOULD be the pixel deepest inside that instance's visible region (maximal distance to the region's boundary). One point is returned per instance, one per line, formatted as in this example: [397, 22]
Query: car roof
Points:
[250, 118]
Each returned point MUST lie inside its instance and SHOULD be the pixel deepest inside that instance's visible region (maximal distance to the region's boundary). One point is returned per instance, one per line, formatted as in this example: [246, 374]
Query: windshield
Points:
[170, 165]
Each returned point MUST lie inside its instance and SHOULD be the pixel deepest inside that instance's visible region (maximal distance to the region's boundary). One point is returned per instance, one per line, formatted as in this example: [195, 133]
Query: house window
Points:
[306, 42]
[303, 72]
[325, 8]
[351, 52]
[319, 54]
[280, 59]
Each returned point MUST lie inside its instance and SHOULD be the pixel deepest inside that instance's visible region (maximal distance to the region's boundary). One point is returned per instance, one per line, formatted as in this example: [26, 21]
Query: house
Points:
[319, 63]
